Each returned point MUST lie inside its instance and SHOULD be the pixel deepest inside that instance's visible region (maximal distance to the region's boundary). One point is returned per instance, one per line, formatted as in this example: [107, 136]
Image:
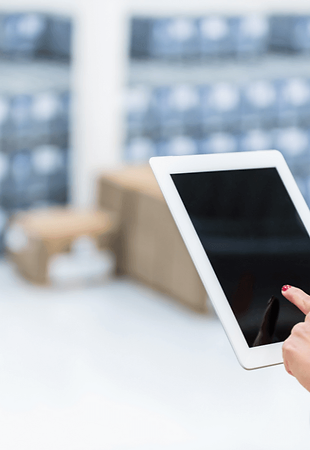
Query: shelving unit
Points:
[180, 102]
[101, 70]
[99, 135]
[35, 83]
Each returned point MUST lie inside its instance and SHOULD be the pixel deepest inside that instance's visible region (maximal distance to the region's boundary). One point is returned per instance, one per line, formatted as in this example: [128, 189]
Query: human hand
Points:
[296, 348]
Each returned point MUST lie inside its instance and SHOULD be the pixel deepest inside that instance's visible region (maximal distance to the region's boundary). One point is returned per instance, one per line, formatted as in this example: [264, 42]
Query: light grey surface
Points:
[272, 66]
[23, 77]
[119, 367]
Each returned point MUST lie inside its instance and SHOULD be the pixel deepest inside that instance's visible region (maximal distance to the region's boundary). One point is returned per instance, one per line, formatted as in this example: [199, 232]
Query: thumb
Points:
[298, 297]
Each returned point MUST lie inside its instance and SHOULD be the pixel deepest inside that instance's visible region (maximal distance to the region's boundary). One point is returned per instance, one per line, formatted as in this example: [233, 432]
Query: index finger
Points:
[298, 297]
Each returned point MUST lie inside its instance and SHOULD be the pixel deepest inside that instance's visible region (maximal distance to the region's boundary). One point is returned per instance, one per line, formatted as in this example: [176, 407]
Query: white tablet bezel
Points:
[163, 167]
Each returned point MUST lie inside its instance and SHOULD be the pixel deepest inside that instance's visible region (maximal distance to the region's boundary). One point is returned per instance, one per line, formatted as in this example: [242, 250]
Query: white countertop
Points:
[120, 367]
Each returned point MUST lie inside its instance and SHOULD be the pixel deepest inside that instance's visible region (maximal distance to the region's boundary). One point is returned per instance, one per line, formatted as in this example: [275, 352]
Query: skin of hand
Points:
[296, 348]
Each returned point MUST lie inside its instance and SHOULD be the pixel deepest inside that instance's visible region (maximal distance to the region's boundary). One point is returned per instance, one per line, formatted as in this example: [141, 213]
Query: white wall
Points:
[100, 70]
[227, 6]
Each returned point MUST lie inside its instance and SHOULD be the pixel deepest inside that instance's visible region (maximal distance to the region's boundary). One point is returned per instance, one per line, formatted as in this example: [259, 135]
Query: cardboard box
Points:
[149, 246]
[117, 193]
[35, 236]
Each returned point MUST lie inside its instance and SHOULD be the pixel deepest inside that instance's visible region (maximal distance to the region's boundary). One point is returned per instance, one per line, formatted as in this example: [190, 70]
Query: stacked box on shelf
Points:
[219, 142]
[258, 115]
[251, 35]
[22, 34]
[218, 36]
[140, 116]
[290, 33]
[176, 109]
[176, 38]
[294, 102]
[140, 35]
[239, 36]
[190, 38]
[58, 38]
[165, 111]
[215, 37]
[259, 105]
[219, 107]
[196, 110]
[31, 35]
[32, 119]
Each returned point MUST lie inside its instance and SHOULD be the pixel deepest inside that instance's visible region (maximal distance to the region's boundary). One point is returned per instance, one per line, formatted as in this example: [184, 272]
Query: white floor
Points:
[120, 367]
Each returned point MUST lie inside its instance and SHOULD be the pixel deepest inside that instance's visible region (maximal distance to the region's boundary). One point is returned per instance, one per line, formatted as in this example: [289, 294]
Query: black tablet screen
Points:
[256, 243]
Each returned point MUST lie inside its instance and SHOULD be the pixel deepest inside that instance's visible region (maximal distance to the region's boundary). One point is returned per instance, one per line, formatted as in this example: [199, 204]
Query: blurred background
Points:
[107, 337]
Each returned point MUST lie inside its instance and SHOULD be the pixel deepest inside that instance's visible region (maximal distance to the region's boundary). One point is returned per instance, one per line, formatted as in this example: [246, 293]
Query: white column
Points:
[100, 54]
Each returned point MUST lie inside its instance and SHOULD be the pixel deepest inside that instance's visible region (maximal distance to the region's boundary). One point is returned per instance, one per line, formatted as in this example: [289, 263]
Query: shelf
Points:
[19, 77]
[273, 66]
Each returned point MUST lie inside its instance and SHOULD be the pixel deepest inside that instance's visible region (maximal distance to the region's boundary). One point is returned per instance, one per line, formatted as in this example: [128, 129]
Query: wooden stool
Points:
[34, 236]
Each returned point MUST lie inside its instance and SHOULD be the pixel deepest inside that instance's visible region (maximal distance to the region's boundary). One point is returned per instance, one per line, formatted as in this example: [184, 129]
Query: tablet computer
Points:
[246, 226]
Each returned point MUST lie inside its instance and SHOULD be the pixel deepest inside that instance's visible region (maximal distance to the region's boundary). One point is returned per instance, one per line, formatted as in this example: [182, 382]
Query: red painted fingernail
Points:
[285, 287]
